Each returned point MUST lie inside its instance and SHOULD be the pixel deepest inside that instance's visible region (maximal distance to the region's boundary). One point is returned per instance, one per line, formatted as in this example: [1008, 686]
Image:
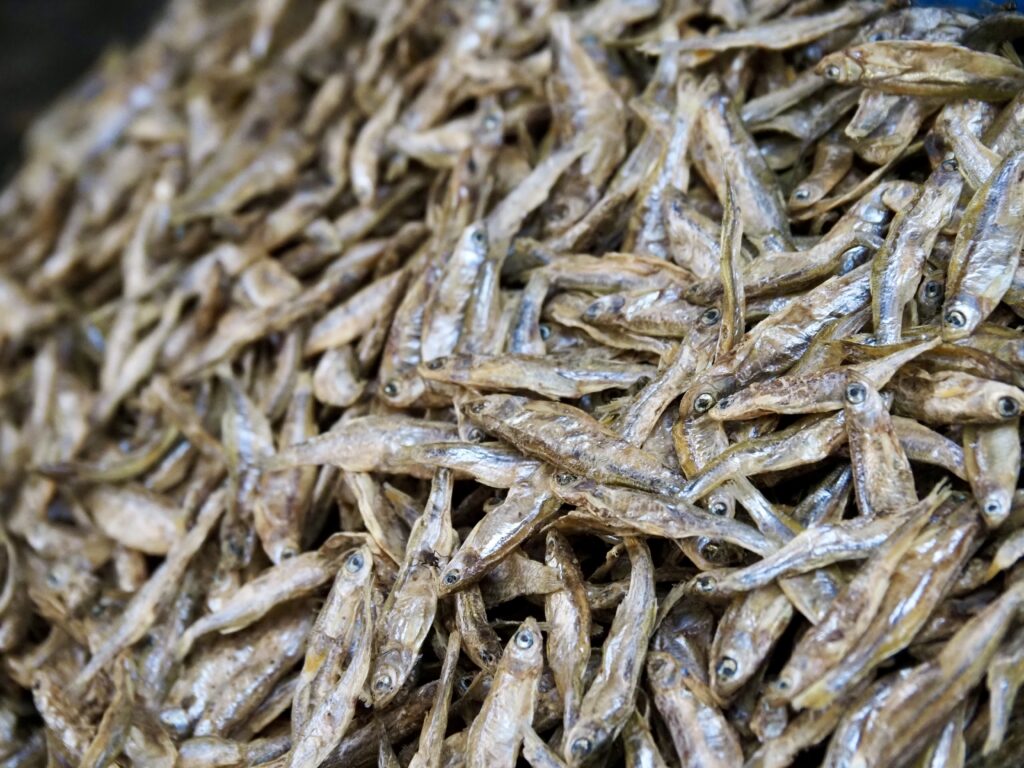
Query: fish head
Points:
[525, 650]
[574, 489]
[486, 409]
[663, 669]
[841, 67]
[402, 391]
[705, 394]
[960, 316]
[729, 671]
[458, 572]
[385, 682]
[861, 399]
[585, 742]
[995, 506]
[1003, 402]
[437, 369]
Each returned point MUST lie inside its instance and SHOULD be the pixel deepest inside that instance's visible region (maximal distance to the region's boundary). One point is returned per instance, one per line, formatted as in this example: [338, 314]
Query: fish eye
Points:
[727, 667]
[711, 316]
[704, 402]
[436, 363]
[993, 507]
[390, 389]
[832, 72]
[383, 683]
[801, 193]
[782, 684]
[564, 478]
[718, 508]
[486, 656]
[956, 319]
[491, 121]
[876, 37]
[705, 583]
[452, 576]
[475, 435]
[524, 639]
[581, 747]
[856, 393]
[1007, 407]
[477, 407]
[545, 332]
[354, 563]
[288, 553]
[950, 164]
[478, 237]
[932, 289]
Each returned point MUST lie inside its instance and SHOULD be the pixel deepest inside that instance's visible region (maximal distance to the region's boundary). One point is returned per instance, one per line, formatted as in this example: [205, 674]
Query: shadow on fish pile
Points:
[439, 383]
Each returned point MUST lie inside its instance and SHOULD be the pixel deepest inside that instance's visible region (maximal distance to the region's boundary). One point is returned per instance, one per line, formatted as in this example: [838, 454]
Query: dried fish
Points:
[444, 383]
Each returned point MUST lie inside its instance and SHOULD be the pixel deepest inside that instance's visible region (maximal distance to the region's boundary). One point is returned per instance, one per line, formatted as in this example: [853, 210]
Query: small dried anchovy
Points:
[444, 383]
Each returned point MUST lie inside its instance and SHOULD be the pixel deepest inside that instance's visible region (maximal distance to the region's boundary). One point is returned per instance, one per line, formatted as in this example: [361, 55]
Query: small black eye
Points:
[950, 164]
[993, 508]
[479, 238]
[390, 389]
[355, 562]
[581, 747]
[452, 576]
[727, 667]
[832, 72]
[704, 402]
[475, 435]
[718, 508]
[705, 583]
[524, 639]
[383, 683]
[477, 408]
[956, 319]
[711, 316]
[436, 363]
[545, 332]
[564, 478]
[1008, 407]
[801, 193]
[932, 289]
[856, 393]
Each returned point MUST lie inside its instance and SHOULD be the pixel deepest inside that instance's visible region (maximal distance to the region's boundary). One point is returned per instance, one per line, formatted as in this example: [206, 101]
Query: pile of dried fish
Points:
[449, 382]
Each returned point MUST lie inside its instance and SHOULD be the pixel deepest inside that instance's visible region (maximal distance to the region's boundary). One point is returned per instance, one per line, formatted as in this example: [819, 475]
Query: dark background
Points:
[46, 45]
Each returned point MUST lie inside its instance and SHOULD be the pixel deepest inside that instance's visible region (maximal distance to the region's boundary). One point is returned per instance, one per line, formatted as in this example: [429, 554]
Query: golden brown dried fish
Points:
[607, 703]
[497, 732]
